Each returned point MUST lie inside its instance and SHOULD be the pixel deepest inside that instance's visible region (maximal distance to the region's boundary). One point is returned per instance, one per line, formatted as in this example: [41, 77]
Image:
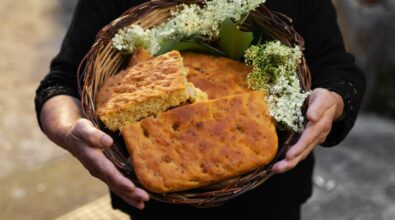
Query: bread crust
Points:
[145, 89]
[217, 76]
[199, 144]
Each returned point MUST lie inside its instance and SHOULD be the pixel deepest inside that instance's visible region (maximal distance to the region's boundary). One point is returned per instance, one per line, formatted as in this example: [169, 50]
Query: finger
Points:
[84, 130]
[314, 133]
[305, 152]
[135, 198]
[142, 194]
[99, 166]
[283, 166]
[318, 104]
[106, 171]
[130, 197]
[308, 137]
[139, 204]
[137, 194]
[286, 165]
[116, 181]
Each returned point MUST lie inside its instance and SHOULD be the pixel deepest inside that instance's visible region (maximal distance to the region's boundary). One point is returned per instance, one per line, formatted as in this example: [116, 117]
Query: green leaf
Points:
[167, 46]
[195, 46]
[188, 45]
[233, 41]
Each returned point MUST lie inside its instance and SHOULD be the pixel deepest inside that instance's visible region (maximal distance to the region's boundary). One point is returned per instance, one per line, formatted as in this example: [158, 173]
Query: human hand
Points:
[86, 142]
[324, 108]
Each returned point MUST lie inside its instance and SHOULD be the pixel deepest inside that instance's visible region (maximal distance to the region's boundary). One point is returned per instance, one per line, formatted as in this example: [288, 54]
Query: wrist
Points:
[58, 116]
[339, 102]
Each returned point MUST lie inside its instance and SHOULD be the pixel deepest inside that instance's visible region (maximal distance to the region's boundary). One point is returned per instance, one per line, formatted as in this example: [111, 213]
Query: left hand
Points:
[324, 108]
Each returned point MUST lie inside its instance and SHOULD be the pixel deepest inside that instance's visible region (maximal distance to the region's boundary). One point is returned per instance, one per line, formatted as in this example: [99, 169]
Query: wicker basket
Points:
[103, 61]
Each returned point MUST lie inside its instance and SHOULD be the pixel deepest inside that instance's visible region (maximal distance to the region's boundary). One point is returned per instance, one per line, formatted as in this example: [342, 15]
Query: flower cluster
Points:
[187, 21]
[275, 72]
[275, 65]
[135, 34]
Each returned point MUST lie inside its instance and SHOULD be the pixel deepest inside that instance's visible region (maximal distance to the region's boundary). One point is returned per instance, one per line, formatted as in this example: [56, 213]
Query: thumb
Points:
[84, 130]
[318, 104]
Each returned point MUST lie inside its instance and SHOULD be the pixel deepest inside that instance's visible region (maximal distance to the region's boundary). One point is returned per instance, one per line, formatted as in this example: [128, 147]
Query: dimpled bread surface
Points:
[217, 76]
[145, 89]
[202, 143]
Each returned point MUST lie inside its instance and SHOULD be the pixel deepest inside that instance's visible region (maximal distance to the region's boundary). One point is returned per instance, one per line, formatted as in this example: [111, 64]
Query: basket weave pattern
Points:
[103, 61]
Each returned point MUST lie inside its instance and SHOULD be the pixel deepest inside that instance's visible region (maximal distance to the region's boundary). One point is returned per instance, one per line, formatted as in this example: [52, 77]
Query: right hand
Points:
[86, 142]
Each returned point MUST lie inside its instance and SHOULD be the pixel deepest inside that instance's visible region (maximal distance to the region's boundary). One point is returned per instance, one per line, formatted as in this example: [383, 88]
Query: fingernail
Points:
[106, 141]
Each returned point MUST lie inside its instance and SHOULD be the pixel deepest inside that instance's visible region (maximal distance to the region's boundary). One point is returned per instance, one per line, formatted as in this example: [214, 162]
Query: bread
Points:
[217, 76]
[202, 143]
[139, 55]
[145, 89]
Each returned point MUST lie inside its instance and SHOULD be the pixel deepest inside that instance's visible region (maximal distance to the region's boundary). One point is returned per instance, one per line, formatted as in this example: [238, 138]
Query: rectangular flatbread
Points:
[144, 89]
[202, 143]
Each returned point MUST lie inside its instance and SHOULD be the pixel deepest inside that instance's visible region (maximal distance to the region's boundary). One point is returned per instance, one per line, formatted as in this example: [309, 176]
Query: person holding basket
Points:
[337, 90]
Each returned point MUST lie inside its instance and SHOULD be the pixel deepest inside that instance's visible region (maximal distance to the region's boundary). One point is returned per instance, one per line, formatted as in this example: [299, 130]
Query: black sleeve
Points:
[89, 17]
[331, 67]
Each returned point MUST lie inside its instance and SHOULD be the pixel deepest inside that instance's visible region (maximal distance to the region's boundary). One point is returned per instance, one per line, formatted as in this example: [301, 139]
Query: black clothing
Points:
[330, 65]
[243, 209]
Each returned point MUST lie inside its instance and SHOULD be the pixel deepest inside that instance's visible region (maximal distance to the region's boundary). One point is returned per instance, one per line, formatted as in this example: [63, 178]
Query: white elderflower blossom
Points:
[187, 21]
[132, 37]
[275, 65]
[274, 72]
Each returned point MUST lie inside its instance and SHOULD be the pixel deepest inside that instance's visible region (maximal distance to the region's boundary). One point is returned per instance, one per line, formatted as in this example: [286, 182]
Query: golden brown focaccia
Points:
[145, 89]
[206, 142]
[139, 55]
[217, 76]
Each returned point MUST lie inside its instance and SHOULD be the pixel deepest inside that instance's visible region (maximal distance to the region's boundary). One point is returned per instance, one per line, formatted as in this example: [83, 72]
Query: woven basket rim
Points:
[103, 61]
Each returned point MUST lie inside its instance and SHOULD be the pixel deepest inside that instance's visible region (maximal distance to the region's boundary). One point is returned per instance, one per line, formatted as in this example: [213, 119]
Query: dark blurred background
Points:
[369, 31]
[355, 180]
